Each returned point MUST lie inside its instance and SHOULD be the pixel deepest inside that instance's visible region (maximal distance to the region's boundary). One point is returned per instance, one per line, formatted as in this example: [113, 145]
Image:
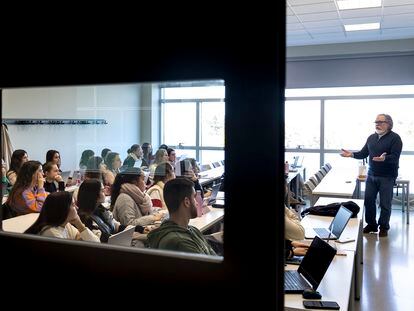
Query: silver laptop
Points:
[335, 229]
[123, 238]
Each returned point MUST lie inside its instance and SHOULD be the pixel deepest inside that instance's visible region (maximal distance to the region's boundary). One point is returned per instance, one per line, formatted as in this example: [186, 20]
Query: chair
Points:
[216, 164]
[324, 170]
[319, 176]
[314, 181]
[222, 162]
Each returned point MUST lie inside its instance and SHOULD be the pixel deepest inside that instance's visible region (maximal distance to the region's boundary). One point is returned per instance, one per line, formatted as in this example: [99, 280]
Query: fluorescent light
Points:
[356, 27]
[358, 4]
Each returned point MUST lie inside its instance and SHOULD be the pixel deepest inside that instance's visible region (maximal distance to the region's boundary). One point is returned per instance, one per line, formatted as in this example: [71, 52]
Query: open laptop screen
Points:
[316, 261]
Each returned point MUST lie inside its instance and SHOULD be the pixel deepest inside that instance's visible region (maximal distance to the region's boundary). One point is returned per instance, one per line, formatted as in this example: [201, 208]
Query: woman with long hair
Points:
[130, 204]
[54, 157]
[160, 156]
[60, 219]
[86, 155]
[28, 193]
[18, 157]
[95, 216]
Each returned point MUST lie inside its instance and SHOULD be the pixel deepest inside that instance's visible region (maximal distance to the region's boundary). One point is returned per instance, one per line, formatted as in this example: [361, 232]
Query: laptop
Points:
[123, 238]
[312, 268]
[214, 193]
[335, 229]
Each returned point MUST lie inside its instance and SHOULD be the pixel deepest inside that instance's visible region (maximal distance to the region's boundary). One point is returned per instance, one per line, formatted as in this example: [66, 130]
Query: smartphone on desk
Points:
[320, 304]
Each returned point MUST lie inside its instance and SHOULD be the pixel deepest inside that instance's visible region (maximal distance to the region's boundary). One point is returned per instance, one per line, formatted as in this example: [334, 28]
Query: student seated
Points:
[90, 198]
[131, 205]
[60, 219]
[52, 178]
[175, 233]
[135, 154]
[18, 157]
[163, 173]
[28, 193]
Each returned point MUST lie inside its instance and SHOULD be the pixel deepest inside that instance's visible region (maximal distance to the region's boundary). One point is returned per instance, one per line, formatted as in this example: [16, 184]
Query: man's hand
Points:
[346, 153]
[381, 158]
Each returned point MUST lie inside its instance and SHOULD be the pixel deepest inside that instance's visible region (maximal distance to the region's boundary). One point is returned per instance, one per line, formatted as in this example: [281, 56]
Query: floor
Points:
[388, 272]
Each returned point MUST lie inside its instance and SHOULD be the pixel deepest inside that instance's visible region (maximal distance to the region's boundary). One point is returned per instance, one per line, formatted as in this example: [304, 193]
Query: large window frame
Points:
[198, 102]
[322, 99]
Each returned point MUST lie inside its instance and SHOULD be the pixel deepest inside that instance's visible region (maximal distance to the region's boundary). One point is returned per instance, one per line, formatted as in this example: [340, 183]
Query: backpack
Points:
[331, 209]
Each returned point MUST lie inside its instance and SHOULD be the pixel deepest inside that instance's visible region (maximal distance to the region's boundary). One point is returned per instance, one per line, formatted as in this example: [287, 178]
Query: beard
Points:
[379, 132]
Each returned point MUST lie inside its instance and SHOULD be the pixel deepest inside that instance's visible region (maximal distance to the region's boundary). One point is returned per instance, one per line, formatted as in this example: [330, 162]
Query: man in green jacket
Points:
[175, 233]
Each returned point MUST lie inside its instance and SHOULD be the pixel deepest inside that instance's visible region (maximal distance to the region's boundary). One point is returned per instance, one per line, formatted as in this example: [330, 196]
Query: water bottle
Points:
[78, 179]
[199, 201]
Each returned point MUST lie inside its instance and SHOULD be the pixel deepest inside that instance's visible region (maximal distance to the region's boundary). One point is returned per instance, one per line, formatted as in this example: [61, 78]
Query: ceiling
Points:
[311, 22]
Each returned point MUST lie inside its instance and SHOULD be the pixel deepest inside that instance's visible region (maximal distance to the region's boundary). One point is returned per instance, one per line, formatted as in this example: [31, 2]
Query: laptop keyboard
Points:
[322, 232]
[294, 281]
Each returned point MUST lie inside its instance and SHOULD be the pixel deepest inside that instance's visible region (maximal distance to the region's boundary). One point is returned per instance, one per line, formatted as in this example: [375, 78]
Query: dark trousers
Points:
[384, 186]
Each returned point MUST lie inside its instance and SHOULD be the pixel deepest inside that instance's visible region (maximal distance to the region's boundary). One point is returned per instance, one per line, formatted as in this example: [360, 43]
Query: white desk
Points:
[353, 230]
[19, 224]
[337, 183]
[336, 285]
[210, 175]
[206, 221]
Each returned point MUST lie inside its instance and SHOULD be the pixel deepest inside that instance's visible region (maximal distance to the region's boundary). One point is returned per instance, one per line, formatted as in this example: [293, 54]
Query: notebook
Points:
[312, 268]
[123, 238]
[335, 229]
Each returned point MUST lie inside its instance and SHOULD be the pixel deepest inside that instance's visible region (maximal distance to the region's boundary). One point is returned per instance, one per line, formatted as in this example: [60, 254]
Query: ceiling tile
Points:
[314, 8]
[294, 26]
[304, 2]
[403, 20]
[362, 20]
[336, 29]
[399, 9]
[318, 16]
[397, 2]
[291, 19]
[322, 24]
[360, 13]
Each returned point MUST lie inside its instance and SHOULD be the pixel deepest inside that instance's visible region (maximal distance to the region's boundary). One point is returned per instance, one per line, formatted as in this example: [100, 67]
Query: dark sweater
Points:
[51, 186]
[391, 144]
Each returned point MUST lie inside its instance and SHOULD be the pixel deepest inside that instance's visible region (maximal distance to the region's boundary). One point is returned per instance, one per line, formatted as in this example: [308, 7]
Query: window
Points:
[192, 119]
[348, 116]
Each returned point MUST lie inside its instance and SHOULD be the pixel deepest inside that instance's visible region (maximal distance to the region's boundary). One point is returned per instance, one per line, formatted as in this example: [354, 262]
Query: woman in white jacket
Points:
[131, 205]
[59, 218]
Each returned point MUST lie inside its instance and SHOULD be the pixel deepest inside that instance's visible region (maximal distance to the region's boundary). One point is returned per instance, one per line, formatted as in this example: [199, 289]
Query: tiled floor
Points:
[388, 270]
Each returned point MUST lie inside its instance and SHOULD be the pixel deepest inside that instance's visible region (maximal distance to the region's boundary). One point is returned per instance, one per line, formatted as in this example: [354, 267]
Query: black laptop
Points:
[214, 193]
[312, 268]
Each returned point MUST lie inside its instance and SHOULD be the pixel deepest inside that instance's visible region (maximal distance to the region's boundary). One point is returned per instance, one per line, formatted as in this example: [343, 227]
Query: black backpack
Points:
[331, 209]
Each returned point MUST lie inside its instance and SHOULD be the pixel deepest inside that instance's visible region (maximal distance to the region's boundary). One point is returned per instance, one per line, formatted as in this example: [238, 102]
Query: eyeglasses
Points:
[380, 122]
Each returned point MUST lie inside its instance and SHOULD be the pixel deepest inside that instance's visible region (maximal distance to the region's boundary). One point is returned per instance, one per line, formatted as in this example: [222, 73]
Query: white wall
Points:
[119, 105]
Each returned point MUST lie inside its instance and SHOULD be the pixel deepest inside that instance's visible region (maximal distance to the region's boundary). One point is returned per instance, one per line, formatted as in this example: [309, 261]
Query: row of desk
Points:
[342, 282]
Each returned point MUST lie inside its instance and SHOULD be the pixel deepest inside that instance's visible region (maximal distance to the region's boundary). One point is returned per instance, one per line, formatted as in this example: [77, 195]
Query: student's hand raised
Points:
[58, 178]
